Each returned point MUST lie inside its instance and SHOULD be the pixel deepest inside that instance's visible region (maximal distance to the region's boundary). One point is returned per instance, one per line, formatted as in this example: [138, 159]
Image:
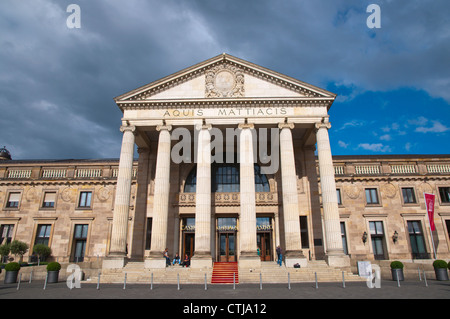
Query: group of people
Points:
[177, 260]
[186, 262]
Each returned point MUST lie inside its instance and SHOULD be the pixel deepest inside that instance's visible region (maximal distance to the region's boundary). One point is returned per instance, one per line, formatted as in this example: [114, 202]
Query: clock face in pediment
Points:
[224, 81]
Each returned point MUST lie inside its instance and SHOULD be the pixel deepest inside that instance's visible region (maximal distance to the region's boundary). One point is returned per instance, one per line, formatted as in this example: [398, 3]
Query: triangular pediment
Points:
[224, 77]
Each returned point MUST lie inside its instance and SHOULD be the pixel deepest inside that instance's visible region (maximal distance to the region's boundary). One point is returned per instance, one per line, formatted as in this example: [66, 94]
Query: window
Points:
[49, 200]
[6, 233]
[444, 193]
[13, 200]
[338, 194]
[304, 231]
[80, 238]
[377, 236]
[225, 179]
[344, 238]
[148, 234]
[418, 249]
[43, 234]
[408, 195]
[85, 199]
[371, 196]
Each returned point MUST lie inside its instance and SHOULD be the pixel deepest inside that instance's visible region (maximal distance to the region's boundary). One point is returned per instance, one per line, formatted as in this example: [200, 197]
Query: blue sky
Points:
[57, 84]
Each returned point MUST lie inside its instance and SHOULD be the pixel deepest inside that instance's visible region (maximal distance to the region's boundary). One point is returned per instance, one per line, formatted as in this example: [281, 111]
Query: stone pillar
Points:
[334, 251]
[160, 200]
[293, 245]
[248, 257]
[202, 255]
[118, 249]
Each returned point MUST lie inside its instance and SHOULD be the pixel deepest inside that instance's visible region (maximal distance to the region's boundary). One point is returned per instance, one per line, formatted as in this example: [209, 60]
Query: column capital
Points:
[246, 125]
[203, 127]
[167, 127]
[286, 125]
[322, 125]
[131, 128]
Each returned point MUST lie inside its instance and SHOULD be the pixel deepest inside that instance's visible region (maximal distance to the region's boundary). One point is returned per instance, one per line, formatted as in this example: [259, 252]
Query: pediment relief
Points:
[224, 77]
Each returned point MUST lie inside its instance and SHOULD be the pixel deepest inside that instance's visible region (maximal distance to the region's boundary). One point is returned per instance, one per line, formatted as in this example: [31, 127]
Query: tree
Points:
[4, 251]
[43, 251]
[18, 248]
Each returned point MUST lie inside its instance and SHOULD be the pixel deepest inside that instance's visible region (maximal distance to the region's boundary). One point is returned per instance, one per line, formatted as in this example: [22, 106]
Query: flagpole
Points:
[429, 223]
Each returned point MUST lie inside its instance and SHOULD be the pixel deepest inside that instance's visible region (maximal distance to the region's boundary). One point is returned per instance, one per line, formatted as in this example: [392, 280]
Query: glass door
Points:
[377, 236]
[227, 247]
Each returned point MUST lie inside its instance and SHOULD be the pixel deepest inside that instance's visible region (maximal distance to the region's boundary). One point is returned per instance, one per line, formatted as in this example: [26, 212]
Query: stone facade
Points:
[180, 196]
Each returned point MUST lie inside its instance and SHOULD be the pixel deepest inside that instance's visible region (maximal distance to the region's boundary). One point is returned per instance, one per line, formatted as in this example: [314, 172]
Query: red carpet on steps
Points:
[223, 273]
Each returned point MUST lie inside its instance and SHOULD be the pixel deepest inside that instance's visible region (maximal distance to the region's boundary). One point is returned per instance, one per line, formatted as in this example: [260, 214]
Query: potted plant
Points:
[18, 248]
[53, 269]
[42, 251]
[397, 271]
[440, 269]
[12, 270]
[5, 249]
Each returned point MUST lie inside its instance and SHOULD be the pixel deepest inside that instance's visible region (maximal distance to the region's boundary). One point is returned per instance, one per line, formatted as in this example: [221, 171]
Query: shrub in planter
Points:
[12, 270]
[53, 269]
[397, 270]
[440, 269]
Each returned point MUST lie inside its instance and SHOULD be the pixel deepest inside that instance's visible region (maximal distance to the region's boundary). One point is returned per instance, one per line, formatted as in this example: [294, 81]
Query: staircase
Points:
[223, 273]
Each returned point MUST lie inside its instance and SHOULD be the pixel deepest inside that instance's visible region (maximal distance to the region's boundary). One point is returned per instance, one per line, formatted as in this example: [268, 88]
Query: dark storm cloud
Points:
[57, 84]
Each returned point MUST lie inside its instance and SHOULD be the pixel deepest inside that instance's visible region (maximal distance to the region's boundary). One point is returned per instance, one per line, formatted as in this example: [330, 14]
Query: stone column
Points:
[248, 257]
[160, 200]
[293, 245]
[118, 249]
[202, 255]
[334, 251]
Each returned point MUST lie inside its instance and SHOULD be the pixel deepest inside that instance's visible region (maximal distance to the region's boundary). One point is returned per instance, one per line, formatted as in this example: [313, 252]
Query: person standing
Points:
[279, 256]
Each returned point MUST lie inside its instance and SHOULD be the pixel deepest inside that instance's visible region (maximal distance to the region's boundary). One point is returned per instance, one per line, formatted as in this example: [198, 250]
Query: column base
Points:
[249, 260]
[337, 260]
[114, 262]
[155, 263]
[201, 260]
[295, 257]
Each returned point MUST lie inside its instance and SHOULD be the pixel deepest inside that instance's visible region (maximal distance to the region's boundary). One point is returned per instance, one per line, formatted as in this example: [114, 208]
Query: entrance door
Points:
[227, 247]
[188, 248]
[264, 246]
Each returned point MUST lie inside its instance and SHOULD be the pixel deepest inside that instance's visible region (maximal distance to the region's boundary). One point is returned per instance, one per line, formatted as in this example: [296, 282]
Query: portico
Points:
[228, 167]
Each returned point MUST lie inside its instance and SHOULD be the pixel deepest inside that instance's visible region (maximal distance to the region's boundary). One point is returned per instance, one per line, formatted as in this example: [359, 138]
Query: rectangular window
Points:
[49, 200]
[304, 231]
[338, 194]
[377, 237]
[408, 195]
[43, 234]
[80, 238]
[416, 239]
[344, 238]
[372, 196]
[13, 200]
[85, 199]
[148, 235]
[6, 233]
[444, 193]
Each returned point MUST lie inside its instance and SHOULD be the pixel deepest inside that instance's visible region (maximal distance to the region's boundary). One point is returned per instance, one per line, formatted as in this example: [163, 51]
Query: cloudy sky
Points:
[57, 83]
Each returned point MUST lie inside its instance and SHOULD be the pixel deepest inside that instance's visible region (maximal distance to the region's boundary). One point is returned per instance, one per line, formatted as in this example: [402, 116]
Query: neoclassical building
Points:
[234, 161]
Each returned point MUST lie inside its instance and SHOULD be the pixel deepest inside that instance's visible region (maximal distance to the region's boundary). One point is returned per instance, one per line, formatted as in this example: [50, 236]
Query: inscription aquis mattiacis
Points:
[226, 112]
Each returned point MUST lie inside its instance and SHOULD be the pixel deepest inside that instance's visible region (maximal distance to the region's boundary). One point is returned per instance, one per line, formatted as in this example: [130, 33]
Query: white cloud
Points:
[437, 127]
[377, 147]
[385, 137]
[343, 144]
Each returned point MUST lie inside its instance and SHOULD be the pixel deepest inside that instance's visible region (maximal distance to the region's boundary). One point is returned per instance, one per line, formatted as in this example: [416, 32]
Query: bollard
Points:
[260, 281]
[151, 282]
[18, 284]
[234, 281]
[418, 270]
[98, 281]
[425, 278]
[206, 287]
[398, 280]
[45, 283]
[315, 275]
[343, 280]
[125, 281]
[289, 280]
[178, 281]
[31, 275]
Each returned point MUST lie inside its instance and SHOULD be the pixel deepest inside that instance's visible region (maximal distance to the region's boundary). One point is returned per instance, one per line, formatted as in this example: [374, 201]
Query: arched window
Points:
[225, 179]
